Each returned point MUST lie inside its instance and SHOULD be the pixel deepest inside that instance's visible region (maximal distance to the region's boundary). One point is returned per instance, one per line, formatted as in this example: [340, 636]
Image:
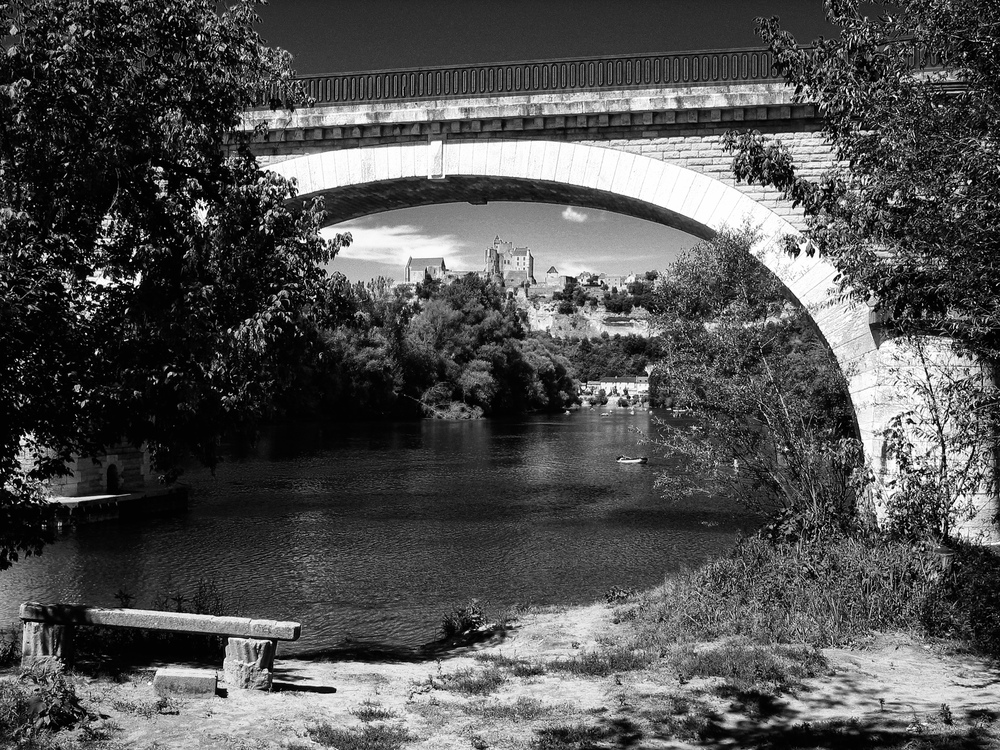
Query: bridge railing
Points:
[542, 76]
[704, 68]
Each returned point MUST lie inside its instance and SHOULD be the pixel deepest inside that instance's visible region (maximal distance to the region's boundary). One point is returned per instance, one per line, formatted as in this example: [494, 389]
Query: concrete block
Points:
[192, 683]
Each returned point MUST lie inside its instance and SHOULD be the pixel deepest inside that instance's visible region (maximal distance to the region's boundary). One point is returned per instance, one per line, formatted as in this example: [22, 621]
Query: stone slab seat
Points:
[48, 635]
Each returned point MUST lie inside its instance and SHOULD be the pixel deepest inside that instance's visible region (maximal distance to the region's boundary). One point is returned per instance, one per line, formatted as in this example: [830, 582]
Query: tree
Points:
[155, 285]
[774, 427]
[910, 102]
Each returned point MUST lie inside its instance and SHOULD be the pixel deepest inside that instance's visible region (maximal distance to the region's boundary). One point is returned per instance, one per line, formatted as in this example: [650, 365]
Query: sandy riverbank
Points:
[888, 693]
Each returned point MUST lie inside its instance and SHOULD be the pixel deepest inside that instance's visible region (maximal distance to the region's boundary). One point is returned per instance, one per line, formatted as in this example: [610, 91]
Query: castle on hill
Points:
[515, 266]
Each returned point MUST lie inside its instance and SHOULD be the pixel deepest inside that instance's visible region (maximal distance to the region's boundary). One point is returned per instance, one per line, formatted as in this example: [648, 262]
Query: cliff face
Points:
[587, 322]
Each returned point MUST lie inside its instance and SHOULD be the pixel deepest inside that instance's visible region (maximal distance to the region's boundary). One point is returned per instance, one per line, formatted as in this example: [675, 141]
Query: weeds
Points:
[462, 620]
[145, 709]
[745, 665]
[523, 709]
[470, 681]
[567, 737]
[516, 667]
[369, 711]
[820, 595]
[369, 737]
[682, 717]
[38, 701]
[603, 663]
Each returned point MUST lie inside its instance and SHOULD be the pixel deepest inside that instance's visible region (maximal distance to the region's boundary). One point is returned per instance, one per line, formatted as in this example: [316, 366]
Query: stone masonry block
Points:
[248, 663]
[191, 683]
[44, 643]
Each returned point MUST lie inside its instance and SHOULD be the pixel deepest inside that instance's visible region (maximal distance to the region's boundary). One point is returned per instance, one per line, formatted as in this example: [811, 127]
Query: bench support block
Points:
[249, 663]
[192, 683]
[42, 643]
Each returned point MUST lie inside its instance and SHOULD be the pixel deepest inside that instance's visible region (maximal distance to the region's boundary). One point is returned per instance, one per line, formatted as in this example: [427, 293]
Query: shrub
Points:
[39, 700]
[966, 602]
[10, 650]
[463, 620]
[819, 595]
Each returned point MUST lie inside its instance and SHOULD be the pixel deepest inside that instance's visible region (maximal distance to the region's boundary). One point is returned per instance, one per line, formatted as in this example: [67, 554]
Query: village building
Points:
[637, 385]
[418, 269]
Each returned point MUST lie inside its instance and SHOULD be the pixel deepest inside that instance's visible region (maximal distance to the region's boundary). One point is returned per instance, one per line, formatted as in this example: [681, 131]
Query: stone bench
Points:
[48, 635]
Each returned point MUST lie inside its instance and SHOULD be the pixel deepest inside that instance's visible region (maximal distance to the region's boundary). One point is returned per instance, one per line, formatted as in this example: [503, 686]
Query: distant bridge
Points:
[638, 135]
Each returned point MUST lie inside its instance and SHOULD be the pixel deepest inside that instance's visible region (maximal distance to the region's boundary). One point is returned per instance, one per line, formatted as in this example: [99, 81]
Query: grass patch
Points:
[523, 709]
[567, 737]
[516, 667]
[681, 716]
[603, 663]
[372, 711]
[747, 666]
[145, 709]
[369, 737]
[821, 595]
[470, 681]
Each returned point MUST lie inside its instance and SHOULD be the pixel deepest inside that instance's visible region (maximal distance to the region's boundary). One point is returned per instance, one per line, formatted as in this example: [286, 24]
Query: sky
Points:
[331, 36]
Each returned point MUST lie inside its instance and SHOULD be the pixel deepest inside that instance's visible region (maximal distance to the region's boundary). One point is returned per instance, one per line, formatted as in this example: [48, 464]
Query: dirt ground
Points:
[891, 692]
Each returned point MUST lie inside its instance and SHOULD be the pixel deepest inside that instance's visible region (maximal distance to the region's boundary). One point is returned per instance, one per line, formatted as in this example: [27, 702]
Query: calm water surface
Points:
[371, 532]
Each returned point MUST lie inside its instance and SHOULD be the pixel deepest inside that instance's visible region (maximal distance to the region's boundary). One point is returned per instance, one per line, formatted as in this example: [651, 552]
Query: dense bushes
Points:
[827, 594]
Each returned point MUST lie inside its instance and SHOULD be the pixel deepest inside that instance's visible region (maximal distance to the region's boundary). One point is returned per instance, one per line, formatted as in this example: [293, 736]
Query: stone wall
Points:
[90, 475]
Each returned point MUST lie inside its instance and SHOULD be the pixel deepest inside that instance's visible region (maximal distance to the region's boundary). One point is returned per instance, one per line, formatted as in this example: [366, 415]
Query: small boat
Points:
[605, 414]
[632, 459]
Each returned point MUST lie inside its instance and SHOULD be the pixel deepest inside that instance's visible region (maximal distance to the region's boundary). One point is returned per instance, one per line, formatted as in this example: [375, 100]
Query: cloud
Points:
[393, 244]
[571, 214]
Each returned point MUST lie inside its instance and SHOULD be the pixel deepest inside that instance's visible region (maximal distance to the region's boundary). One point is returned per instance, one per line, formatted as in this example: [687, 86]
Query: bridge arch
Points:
[367, 180]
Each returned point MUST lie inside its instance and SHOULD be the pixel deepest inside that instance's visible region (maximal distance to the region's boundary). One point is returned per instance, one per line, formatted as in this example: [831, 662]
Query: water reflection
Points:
[373, 531]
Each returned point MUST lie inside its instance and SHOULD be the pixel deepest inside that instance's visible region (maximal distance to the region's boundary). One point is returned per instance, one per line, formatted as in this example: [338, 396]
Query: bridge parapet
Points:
[677, 69]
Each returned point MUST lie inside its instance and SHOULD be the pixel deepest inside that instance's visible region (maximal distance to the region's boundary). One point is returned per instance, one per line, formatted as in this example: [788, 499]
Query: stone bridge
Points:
[638, 135]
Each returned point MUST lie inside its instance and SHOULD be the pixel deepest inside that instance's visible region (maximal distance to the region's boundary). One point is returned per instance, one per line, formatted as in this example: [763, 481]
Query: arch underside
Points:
[365, 199]
[370, 180]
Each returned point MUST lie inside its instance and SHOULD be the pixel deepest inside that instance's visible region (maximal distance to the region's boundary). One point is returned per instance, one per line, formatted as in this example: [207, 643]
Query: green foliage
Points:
[907, 215]
[155, 285]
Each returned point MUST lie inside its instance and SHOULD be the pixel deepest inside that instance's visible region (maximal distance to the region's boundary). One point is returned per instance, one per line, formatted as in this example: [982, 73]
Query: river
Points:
[369, 533]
